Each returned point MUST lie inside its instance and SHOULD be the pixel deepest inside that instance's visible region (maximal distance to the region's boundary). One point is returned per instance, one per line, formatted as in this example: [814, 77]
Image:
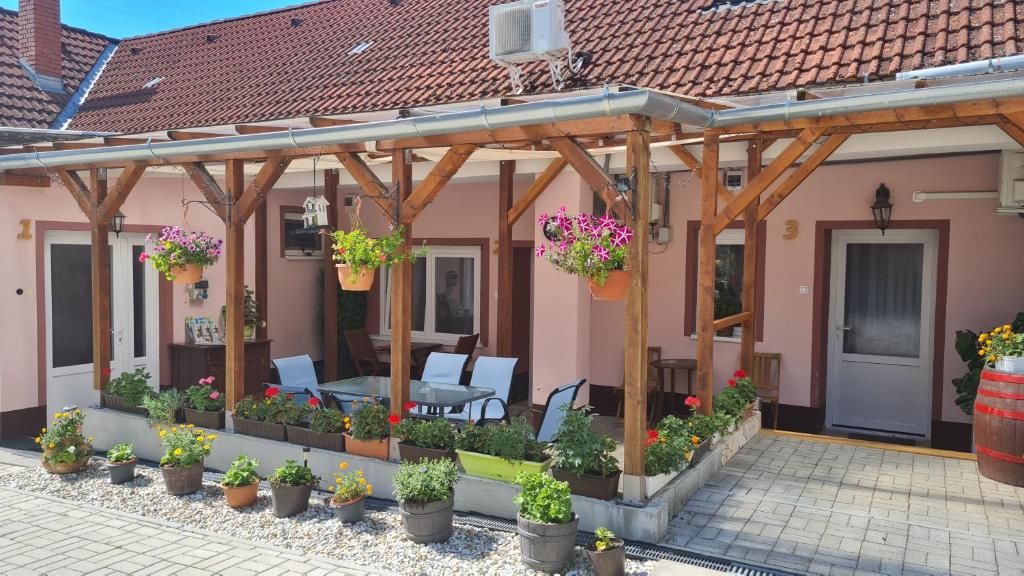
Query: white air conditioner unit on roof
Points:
[531, 31]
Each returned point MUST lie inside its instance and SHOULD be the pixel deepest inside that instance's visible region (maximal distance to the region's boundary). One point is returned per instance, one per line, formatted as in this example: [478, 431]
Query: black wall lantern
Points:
[882, 208]
[117, 224]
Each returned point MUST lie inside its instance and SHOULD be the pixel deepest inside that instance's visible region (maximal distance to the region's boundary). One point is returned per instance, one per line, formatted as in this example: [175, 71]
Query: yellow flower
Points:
[983, 336]
[992, 358]
[695, 440]
[1006, 328]
[39, 440]
[51, 445]
[163, 433]
[981, 352]
[343, 465]
[206, 447]
[56, 414]
[345, 419]
[77, 411]
[359, 472]
[91, 439]
[175, 429]
[211, 436]
[369, 488]
[44, 430]
[988, 342]
[178, 451]
[200, 438]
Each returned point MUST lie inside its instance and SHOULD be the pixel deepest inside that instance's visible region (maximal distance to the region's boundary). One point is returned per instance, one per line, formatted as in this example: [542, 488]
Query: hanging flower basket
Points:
[361, 281]
[181, 256]
[593, 247]
[358, 256]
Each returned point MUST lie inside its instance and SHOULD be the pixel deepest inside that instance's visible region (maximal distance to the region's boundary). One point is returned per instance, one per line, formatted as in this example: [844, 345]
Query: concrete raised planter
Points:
[487, 466]
[428, 523]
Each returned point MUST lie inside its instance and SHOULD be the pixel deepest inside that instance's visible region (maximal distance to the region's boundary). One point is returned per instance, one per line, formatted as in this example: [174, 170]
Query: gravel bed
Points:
[376, 542]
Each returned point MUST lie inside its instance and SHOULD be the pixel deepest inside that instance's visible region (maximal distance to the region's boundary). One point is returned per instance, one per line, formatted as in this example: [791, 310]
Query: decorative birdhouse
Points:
[315, 215]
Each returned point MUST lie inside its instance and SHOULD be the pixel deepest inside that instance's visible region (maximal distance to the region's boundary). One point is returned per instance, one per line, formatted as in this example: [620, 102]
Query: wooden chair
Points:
[766, 376]
[653, 353]
[466, 345]
[364, 355]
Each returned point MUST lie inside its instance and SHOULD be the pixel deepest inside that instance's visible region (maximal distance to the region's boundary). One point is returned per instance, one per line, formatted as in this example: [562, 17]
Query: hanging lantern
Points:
[882, 208]
[117, 224]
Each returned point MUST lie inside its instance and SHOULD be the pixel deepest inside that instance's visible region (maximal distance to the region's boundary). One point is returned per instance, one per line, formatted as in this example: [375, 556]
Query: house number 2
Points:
[792, 229]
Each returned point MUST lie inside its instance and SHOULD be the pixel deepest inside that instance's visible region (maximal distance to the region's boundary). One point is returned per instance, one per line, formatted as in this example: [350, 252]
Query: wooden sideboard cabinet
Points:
[190, 362]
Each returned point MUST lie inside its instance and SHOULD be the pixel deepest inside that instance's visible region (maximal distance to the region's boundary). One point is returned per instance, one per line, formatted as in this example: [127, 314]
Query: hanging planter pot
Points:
[187, 274]
[614, 288]
[182, 255]
[360, 282]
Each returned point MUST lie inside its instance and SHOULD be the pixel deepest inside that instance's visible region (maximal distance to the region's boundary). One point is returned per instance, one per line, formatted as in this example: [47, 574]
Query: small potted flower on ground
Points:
[262, 417]
[502, 451]
[65, 450]
[425, 491]
[181, 256]
[431, 439]
[205, 405]
[324, 429]
[121, 462]
[547, 524]
[358, 256]
[607, 555]
[368, 431]
[350, 491]
[241, 482]
[185, 448]
[595, 248]
[584, 458]
[126, 392]
[290, 487]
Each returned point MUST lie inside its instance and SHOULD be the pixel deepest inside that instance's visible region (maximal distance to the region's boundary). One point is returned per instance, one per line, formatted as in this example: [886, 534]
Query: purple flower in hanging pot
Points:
[606, 222]
[601, 252]
[541, 250]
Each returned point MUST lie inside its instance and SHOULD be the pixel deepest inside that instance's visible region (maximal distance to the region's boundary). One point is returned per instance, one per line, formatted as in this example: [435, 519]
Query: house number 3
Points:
[792, 229]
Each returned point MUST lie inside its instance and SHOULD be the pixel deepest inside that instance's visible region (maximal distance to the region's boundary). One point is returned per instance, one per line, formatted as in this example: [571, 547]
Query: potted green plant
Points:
[181, 255]
[185, 448]
[250, 313]
[126, 392]
[595, 248]
[425, 491]
[290, 487]
[321, 428]
[263, 417]
[501, 451]
[241, 483]
[65, 449]
[547, 524]
[431, 439]
[205, 405]
[585, 458]
[121, 462]
[745, 390]
[350, 490]
[607, 554]
[1003, 349]
[359, 255]
[164, 408]
[368, 430]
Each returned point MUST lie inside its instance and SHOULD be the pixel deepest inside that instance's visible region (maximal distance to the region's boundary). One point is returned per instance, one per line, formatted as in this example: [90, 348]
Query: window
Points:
[728, 273]
[294, 243]
[446, 294]
[728, 276]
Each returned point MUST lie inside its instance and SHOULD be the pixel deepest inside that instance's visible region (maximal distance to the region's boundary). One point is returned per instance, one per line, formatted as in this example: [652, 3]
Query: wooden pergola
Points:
[766, 187]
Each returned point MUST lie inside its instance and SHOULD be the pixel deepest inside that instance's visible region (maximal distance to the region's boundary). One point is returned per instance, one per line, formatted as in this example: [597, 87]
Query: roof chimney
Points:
[39, 42]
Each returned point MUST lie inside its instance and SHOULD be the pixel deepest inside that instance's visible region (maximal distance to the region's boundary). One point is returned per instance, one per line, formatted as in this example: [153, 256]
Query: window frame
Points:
[470, 249]
[288, 213]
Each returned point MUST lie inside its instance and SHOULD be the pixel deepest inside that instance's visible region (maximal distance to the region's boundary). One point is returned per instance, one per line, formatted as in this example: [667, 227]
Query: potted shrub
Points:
[425, 491]
[431, 439]
[262, 417]
[205, 405]
[163, 408]
[368, 430]
[181, 256]
[745, 390]
[241, 483]
[608, 554]
[1003, 349]
[185, 447]
[584, 458]
[502, 451]
[65, 450]
[290, 487]
[350, 491]
[121, 462]
[358, 256]
[595, 248]
[547, 524]
[666, 451]
[324, 429]
[126, 392]
[250, 314]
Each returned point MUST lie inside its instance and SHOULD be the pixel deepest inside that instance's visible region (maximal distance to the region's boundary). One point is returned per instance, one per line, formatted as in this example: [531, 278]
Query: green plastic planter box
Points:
[485, 466]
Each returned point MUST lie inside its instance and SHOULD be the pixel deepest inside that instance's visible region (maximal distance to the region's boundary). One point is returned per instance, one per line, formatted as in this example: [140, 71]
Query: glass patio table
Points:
[420, 392]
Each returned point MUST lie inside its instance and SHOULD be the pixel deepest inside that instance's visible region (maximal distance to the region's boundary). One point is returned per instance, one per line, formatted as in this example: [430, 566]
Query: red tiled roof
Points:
[425, 52]
[22, 104]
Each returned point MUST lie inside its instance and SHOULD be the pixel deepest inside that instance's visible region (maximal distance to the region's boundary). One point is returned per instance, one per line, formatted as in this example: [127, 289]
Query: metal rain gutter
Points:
[988, 66]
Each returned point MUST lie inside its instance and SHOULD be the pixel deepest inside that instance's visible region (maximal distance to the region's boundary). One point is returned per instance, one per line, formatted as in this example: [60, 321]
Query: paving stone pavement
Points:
[42, 535]
[833, 509]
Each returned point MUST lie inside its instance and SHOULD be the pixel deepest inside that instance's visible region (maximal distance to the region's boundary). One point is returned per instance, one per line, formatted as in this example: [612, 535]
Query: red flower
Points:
[313, 401]
[739, 373]
[105, 372]
[731, 383]
[272, 391]
[394, 419]
[692, 402]
[652, 433]
[341, 250]
[409, 405]
[383, 257]
[290, 396]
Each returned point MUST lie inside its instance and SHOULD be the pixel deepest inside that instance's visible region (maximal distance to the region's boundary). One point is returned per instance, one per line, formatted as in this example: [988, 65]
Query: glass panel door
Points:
[883, 299]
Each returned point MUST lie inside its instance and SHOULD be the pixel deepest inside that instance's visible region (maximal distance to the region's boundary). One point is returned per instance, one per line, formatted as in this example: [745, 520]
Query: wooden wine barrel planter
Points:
[999, 427]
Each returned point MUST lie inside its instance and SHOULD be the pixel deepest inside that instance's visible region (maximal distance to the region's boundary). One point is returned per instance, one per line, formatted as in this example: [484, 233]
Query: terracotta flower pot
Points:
[241, 496]
[289, 500]
[610, 562]
[349, 512]
[180, 481]
[359, 283]
[188, 274]
[429, 522]
[122, 472]
[602, 488]
[205, 419]
[369, 448]
[66, 467]
[547, 547]
[614, 288]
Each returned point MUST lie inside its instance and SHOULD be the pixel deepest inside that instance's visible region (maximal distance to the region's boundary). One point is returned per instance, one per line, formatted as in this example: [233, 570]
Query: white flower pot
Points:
[1011, 364]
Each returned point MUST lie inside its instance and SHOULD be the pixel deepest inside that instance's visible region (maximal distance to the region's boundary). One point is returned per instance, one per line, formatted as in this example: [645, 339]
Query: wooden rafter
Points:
[25, 180]
[115, 198]
[539, 185]
[367, 181]
[257, 190]
[78, 189]
[323, 121]
[597, 127]
[1013, 125]
[592, 173]
[758, 184]
[694, 165]
[258, 129]
[730, 321]
[219, 201]
[797, 176]
[439, 176]
[184, 135]
[129, 141]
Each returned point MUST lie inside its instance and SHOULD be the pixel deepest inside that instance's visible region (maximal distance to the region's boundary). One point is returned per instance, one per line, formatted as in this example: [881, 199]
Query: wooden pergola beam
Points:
[694, 165]
[706, 276]
[177, 135]
[1013, 126]
[78, 189]
[324, 122]
[100, 260]
[592, 173]
[748, 299]
[798, 175]
[537, 187]
[730, 321]
[436, 179]
[246, 129]
[200, 176]
[368, 182]
[115, 198]
[401, 294]
[257, 190]
[506, 180]
[24, 180]
[234, 287]
[331, 178]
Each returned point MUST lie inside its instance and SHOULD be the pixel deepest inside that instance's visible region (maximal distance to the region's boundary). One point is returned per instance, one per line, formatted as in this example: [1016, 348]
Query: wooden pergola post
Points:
[100, 254]
[401, 291]
[638, 162]
[706, 274]
[330, 281]
[749, 298]
[260, 263]
[506, 173]
[234, 286]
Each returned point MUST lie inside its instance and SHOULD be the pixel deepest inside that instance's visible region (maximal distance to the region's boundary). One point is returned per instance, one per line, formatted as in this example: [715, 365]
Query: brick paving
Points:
[833, 509]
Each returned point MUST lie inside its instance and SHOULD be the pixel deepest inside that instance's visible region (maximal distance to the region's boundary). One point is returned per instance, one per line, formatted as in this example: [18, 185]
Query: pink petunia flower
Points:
[541, 250]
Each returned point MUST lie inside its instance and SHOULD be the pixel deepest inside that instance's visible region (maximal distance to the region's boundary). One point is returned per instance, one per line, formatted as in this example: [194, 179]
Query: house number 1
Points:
[25, 233]
[792, 229]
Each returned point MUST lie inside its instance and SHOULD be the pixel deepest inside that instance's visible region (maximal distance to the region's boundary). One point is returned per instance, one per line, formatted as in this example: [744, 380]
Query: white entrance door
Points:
[881, 322]
[134, 312]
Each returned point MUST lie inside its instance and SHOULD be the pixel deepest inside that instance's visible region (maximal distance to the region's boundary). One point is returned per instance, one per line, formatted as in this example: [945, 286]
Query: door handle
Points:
[844, 328]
